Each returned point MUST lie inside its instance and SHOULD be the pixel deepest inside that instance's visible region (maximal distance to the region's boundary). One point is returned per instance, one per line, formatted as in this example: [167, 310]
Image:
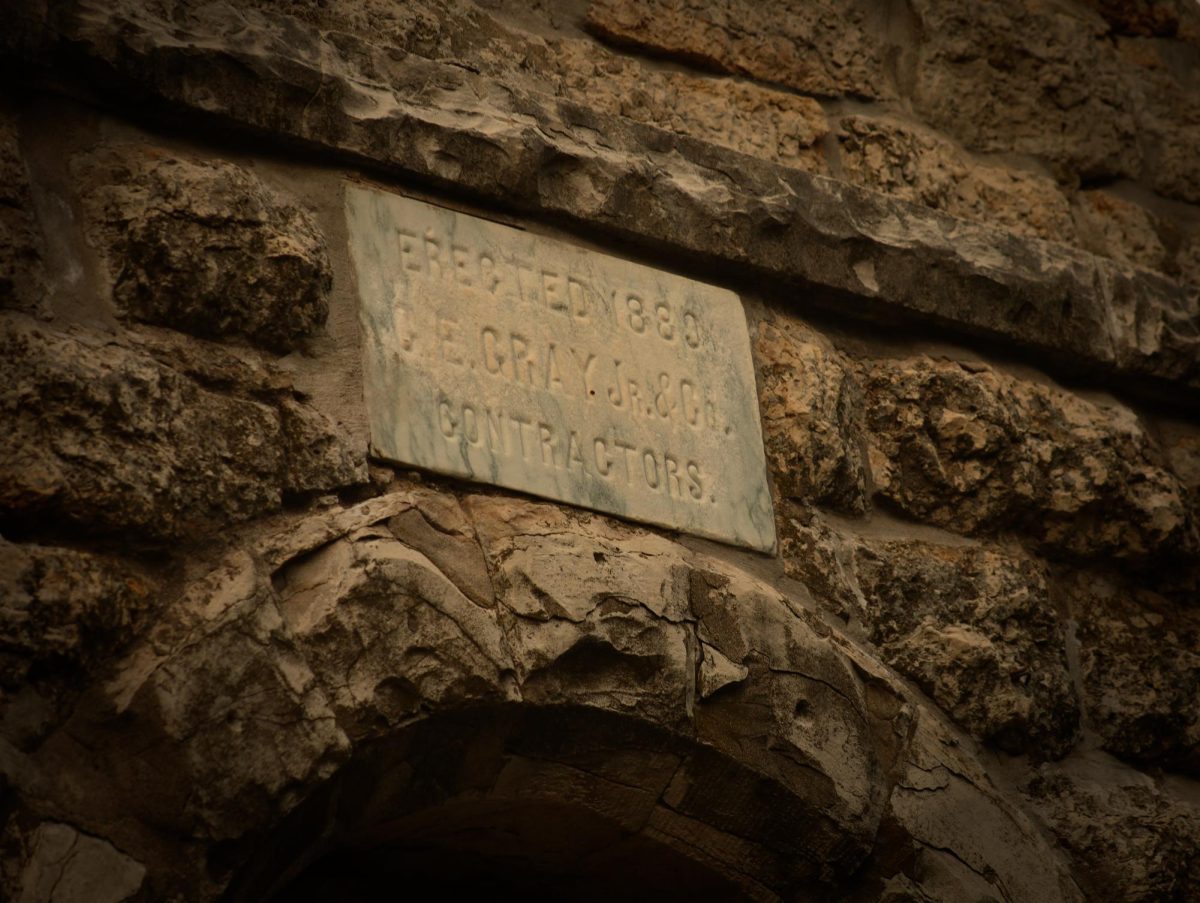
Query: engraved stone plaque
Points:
[530, 363]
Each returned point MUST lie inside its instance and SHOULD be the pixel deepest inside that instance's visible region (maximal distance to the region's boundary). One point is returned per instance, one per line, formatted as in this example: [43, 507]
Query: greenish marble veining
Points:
[514, 359]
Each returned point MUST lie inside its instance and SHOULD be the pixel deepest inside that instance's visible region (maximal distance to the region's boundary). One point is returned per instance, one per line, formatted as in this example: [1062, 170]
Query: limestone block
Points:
[743, 116]
[205, 247]
[812, 417]
[830, 49]
[1029, 77]
[388, 634]
[1151, 18]
[22, 278]
[1162, 76]
[1187, 254]
[920, 165]
[63, 614]
[957, 838]
[801, 714]
[213, 725]
[977, 630]
[590, 614]
[1118, 228]
[62, 609]
[821, 558]
[670, 691]
[1141, 671]
[65, 866]
[107, 434]
[497, 139]
[966, 447]
[1130, 839]
[437, 527]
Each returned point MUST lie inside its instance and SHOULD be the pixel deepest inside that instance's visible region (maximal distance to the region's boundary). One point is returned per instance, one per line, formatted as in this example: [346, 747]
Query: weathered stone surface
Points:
[510, 145]
[1141, 671]
[1118, 228]
[1151, 18]
[801, 689]
[821, 558]
[231, 722]
[966, 447]
[1183, 452]
[597, 631]
[388, 634]
[63, 609]
[1187, 252]
[743, 116]
[405, 665]
[104, 435]
[62, 613]
[1030, 77]
[976, 629]
[1129, 838]
[249, 694]
[437, 527]
[1163, 77]
[66, 866]
[21, 275]
[922, 166]
[812, 417]
[818, 48]
[205, 247]
[750, 118]
[949, 837]
[505, 357]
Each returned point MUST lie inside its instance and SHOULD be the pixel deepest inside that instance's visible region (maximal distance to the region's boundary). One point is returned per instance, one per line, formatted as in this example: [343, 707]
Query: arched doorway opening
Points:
[556, 803]
[513, 850]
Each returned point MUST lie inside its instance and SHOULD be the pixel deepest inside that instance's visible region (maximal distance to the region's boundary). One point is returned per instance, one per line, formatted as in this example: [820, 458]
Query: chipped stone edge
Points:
[536, 154]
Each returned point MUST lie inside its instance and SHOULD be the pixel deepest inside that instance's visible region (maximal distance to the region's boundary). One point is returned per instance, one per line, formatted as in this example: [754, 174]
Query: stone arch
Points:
[566, 802]
[288, 667]
[323, 659]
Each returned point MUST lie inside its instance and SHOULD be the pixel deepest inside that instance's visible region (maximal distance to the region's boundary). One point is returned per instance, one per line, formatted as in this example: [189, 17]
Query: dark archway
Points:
[509, 850]
[558, 803]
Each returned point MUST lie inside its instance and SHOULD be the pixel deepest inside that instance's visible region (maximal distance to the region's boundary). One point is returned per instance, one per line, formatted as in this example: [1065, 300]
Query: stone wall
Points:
[967, 238]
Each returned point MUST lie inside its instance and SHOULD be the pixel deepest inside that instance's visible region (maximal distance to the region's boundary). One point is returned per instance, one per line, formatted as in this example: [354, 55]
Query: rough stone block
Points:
[63, 609]
[1129, 838]
[519, 147]
[1120, 229]
[63, 613]
[1162, 77]
[1151, 18]
[823, 48]
[977, 630]
[745, 117]
[205, 247]
[1030, 77]
[1141, 671]
[106, 436]
[966, 447]
[812, 417]
[920, 165]
[22, 279]
[66, 866]
[389, 634]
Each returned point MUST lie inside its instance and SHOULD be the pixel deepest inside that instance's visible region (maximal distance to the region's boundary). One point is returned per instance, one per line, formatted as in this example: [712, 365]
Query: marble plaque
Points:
[531, 363]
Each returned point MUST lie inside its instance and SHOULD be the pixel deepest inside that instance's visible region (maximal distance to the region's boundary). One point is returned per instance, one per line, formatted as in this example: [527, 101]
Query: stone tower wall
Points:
[967, 239]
